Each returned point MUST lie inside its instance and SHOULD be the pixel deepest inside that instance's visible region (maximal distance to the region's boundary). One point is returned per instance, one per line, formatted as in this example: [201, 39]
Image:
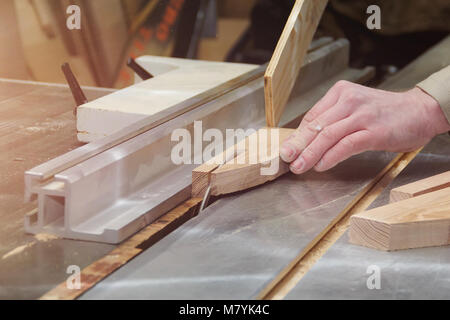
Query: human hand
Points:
[352, 118]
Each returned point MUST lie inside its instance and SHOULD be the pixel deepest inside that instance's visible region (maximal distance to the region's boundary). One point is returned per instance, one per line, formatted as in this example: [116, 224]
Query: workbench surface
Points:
[36, 124]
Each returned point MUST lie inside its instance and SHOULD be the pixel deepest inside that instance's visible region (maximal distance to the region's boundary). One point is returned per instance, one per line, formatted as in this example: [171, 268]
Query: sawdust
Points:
[45, 237]
[50, 125]
[18, 250]
[42, 237]
[33, 129]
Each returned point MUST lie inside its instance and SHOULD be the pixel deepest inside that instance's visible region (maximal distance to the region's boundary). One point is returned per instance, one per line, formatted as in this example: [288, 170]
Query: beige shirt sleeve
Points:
[438, 86]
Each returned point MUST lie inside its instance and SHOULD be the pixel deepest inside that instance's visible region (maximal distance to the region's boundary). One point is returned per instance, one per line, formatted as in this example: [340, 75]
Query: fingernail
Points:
[298, 165]
[286, 153]
[319, 165]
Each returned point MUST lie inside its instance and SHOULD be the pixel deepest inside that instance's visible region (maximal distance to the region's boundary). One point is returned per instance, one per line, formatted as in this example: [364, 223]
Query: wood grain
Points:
[246, 169]
[422, 221]
[288, 56]
[175, 82]
[420, 187]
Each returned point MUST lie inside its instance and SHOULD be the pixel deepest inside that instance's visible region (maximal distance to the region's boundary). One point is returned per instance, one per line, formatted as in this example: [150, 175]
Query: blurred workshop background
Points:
[35, 40]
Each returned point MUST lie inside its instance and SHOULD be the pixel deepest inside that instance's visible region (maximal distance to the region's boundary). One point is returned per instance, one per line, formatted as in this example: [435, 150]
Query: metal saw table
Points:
[406, 274]
[242, 244]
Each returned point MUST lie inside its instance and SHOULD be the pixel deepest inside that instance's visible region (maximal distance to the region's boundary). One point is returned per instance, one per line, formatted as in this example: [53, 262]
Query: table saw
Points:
[118, 209]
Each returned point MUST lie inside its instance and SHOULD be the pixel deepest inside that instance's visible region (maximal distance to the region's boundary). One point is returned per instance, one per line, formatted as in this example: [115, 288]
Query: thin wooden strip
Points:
[287, 59]
[294, 272]
[97, 271]
[420, 187]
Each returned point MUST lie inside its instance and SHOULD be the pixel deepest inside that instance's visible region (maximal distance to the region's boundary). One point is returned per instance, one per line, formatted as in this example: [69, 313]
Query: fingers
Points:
[325, 140]
[309, 129]
[350, 145]
[327, 101]
[330, 132]
[290, 151]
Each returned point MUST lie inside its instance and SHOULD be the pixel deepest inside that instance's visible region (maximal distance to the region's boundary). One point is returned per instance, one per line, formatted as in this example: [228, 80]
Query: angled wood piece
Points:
[201, 176]
[288, 56]
[246, 169]
[420, 187]
[422, 221]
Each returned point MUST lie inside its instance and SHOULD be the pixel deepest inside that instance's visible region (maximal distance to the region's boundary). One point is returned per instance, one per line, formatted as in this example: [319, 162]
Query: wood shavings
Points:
[45, 237]
[17, 250]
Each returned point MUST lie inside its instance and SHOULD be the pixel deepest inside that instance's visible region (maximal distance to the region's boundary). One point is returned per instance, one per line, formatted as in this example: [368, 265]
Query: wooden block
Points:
[420, 187]
[422, 221]
[288, 56]
[201, 176]
[175, 81]
[246, 168]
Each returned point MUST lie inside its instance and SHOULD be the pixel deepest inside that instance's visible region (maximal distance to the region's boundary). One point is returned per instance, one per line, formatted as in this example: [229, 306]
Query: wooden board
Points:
[175, 81]
[288, 56]
[417, 222]
[245, 169]
[420, 187]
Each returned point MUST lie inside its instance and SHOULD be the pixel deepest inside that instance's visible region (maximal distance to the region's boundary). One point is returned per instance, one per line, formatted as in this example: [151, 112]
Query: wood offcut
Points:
[422, 221]
[420, 187]
[250, 165]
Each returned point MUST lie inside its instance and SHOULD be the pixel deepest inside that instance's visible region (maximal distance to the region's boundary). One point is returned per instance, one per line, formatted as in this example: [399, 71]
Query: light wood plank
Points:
[288, 56]
[420, 187]
[417, 222]
[176, 80]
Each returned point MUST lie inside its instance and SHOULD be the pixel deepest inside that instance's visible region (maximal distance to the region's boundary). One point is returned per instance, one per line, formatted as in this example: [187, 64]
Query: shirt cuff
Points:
[438, 86]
